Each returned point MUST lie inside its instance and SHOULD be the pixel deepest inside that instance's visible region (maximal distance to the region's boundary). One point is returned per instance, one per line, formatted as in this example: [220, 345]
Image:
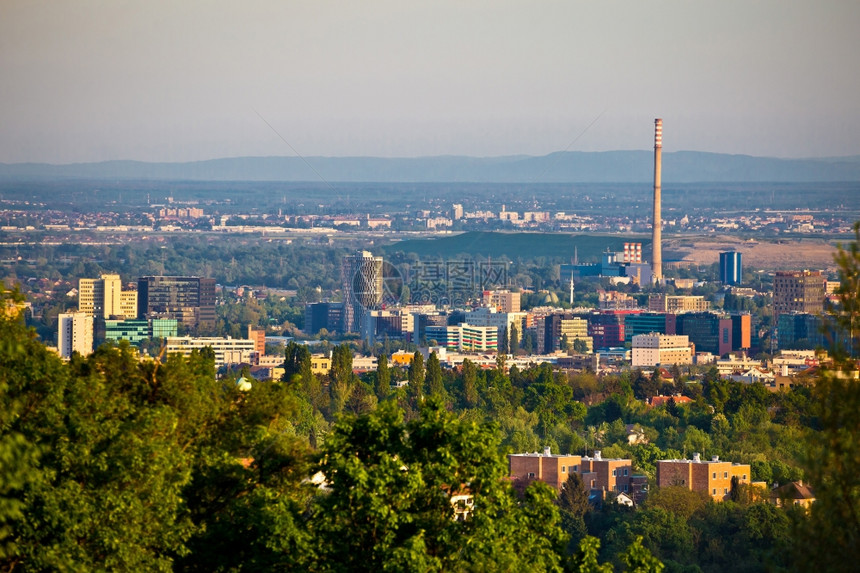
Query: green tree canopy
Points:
[389, 505]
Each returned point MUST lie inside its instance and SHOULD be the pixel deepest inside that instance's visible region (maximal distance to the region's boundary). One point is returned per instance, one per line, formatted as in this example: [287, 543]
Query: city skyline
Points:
[159, 81]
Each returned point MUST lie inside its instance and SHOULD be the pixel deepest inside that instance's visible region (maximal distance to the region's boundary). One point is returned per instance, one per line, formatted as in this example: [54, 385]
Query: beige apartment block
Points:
[555, 469]
[661, 349]
[712, 477]
[104, 298]
[678, 304]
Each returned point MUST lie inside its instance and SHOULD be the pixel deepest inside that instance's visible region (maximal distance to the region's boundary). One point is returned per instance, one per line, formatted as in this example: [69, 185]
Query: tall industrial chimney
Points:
[657, 225]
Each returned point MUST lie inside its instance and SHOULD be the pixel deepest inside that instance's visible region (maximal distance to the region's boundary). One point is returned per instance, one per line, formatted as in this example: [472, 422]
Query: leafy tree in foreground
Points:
[389, 505]
[342, 378]
[415, 376]
[637, 558]
[831, 535]
[297, 362]
[574, 506]
[434, 376]
[115, 442]
[383, 377]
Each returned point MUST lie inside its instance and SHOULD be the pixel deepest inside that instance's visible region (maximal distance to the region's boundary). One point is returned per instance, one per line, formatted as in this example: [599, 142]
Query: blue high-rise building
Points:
[731, 272]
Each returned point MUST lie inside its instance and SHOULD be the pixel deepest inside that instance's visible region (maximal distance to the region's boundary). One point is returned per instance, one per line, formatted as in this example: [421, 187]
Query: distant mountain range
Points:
[561, 167]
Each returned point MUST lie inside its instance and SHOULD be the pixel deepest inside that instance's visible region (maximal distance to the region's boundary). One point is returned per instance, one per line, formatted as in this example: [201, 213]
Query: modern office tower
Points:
[661, 349]
[457, 211]
[258, 335]
[799, 331]
[741, 332]
[731, 271]
[711, 477]
[190, 300]
[503, 321]
[677, 304]
[319, 315]
[423, 320]
[464, 337]
[75, 333]
[805, 331]
[502, 300]
[554, 328]
[708, 331]
[798, 291]
[104, 298]
[478, 338]
[395, 324]
[646, 323]
[657, 223]
[606, 329]
[444, 335]
[136, 330]
[362, 288]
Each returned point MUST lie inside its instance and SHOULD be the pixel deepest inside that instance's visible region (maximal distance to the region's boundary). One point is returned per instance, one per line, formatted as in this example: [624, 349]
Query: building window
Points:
[592, 483]
[725, 475]
[745, 477]
[625, 472]
[725, 490]
[715, 475]
[613, 473]
[576, 468]
[683, 482]
[531, 474]
[715, 491]
[564, 469]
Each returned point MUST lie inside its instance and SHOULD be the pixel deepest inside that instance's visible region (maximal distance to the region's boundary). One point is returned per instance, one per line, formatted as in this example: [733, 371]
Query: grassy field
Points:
[515, 246]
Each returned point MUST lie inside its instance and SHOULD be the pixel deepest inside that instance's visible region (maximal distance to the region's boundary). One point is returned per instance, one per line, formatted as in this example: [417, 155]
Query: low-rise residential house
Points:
[461, 500]
[755, 374]
[635, 435]
[793, 493]
[663, 400]
[402, 358]
[262, 373]
[320, 363]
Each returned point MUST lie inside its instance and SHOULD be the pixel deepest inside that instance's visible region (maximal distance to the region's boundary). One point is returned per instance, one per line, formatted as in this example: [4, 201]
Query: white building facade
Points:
[74, 334]
[227, 350]
[654, 349]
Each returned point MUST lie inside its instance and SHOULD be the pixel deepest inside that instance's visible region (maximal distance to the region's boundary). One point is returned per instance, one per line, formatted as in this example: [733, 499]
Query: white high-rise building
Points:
[75, 334]
[362, 288]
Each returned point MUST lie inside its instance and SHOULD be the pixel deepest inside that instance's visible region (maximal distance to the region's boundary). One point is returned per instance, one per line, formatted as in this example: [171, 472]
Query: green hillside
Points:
[515, 245]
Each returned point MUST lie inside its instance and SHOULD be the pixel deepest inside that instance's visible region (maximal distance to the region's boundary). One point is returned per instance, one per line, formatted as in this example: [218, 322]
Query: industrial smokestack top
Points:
[657, 222]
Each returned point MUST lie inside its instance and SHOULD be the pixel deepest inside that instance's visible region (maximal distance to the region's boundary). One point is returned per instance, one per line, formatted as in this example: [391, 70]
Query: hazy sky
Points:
[177, 80]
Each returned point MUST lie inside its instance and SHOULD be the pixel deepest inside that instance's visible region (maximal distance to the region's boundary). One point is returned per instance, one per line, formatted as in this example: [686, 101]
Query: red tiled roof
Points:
[662, 400]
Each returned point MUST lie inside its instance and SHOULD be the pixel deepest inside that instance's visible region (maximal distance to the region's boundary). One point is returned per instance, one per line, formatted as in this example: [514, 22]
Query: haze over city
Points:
[164, 81]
